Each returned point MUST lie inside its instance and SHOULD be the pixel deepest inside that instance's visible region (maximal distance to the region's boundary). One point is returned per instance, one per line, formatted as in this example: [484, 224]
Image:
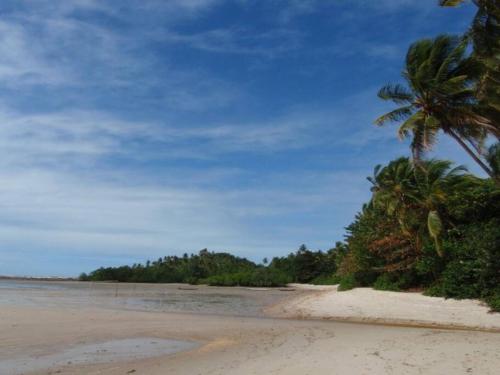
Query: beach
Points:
[231, 344]
[366, 305]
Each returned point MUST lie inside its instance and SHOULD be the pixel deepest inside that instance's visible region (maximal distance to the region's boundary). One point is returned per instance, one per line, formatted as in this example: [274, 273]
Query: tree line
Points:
[224, 269]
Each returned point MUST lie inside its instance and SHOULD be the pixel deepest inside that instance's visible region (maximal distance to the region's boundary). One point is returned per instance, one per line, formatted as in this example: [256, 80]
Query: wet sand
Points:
[240, 345]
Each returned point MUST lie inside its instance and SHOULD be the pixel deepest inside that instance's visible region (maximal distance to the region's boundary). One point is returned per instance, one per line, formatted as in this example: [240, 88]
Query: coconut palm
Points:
[392, 187]
[439, 96]
[415, 194]
[434, 180]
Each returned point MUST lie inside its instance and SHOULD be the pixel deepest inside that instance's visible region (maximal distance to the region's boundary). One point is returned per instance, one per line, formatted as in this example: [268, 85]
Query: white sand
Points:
[368, 305]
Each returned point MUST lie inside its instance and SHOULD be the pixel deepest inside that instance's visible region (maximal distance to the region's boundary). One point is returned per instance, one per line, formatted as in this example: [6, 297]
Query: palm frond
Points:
[411, 124]
[397, 93]
[395, 115]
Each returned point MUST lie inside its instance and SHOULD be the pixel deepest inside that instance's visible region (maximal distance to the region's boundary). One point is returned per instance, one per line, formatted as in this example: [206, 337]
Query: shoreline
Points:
[400, 309]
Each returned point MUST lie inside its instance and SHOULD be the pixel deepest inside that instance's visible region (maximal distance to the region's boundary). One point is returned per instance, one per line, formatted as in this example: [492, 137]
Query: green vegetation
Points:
[429, 224]
[392, 245]
[173, 269]
[348, 282]
[386, 282]
[260, 277]
[224, 269]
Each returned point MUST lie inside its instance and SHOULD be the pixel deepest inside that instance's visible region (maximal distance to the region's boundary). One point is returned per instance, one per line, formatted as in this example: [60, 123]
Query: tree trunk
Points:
[470, 152]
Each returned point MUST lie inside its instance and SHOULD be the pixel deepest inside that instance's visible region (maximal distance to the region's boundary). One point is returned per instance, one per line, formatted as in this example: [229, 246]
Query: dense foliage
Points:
[224, 269]
[304, 265]
[173, 269]
[394, 242]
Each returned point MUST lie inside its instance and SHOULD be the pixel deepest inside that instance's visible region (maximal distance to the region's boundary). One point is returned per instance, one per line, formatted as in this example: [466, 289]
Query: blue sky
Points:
[136, 129]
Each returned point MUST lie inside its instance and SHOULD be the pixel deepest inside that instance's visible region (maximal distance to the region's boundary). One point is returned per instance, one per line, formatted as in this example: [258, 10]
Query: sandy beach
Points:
[219, 344]
[395, 308]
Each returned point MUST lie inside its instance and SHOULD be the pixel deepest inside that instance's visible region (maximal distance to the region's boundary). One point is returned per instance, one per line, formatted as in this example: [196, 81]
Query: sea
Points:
[236, 301]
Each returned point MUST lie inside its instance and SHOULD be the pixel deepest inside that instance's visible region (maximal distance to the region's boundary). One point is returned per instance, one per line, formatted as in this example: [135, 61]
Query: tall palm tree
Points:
[439, 96]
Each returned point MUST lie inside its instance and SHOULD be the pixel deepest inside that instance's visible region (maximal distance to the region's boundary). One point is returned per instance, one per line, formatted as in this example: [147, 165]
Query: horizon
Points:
[135, 132]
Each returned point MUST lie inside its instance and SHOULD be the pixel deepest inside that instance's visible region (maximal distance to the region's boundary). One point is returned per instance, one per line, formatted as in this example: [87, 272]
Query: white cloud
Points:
[269, 43]
[19, 60]
[73, 137]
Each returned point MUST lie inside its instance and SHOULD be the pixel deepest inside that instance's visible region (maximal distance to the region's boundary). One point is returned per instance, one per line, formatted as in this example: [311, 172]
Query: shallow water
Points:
[143, 297]
[123, 296]
[103, 352]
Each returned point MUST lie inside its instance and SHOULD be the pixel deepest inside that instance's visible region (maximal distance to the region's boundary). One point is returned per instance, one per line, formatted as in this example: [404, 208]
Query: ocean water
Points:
[237, 301]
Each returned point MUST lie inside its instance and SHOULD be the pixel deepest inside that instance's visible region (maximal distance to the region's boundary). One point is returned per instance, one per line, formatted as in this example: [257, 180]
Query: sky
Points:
[136, 129]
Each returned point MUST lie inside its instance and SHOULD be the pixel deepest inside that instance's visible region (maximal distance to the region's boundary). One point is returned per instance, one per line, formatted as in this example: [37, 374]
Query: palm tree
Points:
[484, 34]
[415, 194]
[434, 180]
[439, 96]
[392, 187]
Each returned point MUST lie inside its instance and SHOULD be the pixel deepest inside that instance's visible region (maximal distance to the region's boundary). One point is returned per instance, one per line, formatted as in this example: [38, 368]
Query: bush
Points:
[262, 277]
[386, 282]
[460, 279]
[326, 280]
[435, 290]
[191, 280]
[494, 301]
[429, 266]
[347, 282]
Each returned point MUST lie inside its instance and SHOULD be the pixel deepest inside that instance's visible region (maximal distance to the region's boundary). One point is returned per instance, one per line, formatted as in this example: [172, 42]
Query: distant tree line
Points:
[225, 269]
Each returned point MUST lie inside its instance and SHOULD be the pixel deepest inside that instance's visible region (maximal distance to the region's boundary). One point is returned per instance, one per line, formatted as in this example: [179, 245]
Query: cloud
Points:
[295, 8]
[83, 137]
[54, 43]
[269, 43]
[291, 9]
[69, 210]
[19, 60]
[66, 210]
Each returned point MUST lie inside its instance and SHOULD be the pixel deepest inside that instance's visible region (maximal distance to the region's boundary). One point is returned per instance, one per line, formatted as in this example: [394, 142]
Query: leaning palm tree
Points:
[439, 96]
